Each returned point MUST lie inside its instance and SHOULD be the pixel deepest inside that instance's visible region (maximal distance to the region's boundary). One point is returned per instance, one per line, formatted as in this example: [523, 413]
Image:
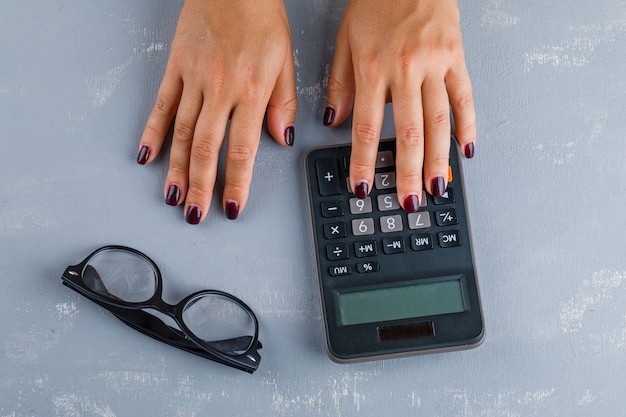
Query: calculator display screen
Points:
[396, 303]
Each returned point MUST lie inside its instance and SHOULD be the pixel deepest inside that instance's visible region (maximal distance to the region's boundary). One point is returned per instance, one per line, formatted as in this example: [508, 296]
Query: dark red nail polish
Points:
[232, 210]
[361, 189]
[289, 135]
[173, 195]
[469, 150]
[411, 203]
[194, 213]
[438, 186]
[144, 154]
[329, 116]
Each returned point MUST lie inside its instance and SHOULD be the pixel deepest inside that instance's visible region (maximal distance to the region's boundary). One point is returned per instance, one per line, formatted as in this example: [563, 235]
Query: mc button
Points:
[449, 239]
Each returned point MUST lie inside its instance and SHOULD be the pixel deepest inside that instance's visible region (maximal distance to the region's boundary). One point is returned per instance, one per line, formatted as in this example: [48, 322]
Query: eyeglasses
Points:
[212, 324]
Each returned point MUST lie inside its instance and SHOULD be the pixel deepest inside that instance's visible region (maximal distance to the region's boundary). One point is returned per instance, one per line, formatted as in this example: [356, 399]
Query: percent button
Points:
[365, 267]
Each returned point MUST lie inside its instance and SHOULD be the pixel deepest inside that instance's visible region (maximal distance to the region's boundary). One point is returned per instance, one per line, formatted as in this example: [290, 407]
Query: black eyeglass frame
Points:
[133, 314]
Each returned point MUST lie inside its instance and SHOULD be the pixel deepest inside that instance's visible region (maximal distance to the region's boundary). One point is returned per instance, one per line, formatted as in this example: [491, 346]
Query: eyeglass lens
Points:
[121, 275]
[215, 319]
[221, 322]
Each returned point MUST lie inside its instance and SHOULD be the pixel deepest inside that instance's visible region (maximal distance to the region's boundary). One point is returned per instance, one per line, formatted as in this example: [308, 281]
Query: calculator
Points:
[392, 283]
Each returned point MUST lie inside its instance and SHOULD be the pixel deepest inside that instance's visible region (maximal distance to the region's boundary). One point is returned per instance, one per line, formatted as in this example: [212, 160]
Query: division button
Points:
[337, 252]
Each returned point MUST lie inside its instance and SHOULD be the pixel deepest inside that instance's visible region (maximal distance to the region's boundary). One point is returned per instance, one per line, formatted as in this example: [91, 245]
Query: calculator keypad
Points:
[379, 223]
[392, 283]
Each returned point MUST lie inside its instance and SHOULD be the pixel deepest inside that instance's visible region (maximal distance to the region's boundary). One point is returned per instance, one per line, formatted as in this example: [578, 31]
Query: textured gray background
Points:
[547, 196]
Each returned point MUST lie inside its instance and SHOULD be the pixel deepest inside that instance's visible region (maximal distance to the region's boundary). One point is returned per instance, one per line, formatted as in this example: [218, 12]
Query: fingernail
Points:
[193, 214]
[144, 154]
[469, 150]
[329, 116]
[289, 135]
[438, 186]
[361, 189]
[232, 210]
[173, 195]
[411, 203]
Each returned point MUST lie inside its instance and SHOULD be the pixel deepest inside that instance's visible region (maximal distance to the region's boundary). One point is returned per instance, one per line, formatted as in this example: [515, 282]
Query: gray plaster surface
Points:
[546, 196]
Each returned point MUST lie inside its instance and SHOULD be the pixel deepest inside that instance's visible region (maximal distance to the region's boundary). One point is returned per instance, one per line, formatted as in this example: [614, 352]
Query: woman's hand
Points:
[409, 52]
[230, 59]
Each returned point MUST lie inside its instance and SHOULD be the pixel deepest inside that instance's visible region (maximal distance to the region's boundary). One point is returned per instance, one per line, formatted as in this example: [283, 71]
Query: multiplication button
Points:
[335, 230]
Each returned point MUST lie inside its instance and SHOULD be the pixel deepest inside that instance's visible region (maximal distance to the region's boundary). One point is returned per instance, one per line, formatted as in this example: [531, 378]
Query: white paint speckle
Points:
[587, 398]
[74, 405]
[494, 16]
[578, 49]
[600, 287]
[100, 88]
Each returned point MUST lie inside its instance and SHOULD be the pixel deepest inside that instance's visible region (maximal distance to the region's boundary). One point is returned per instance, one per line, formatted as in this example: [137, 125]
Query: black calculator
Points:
[392, 283]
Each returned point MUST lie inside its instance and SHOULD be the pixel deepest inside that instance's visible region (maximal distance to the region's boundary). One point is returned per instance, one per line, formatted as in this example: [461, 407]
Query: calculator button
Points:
[419, 220]
[337, 252]
[362, 227]
[339, 270]
[389, 224]
[421, 242]
[393, 245]
[335, 230]
[423, 200]
[388, 202]
[449, 239]
[385, 180]
[358, 206]
[446, 198]
[446, 217]
[384, 159]
[365, 267]
[332, 208]
[365, 248]
[328, 176]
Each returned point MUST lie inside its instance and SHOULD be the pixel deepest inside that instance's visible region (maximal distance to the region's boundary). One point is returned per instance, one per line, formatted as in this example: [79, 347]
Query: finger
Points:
[437, 135]
[203, 159]
[369, 110]
[409, 126]
[283, 105]
[176, 182]
[243, 141]
[160, 118]
[459, 89]
[341, 84]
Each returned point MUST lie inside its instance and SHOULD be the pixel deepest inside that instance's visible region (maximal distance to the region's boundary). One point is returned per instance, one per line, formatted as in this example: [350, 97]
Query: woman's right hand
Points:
[230, 59]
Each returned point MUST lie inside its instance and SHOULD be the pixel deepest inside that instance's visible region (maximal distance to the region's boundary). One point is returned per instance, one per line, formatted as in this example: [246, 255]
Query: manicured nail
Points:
[329, 116]
[232, 210]
[411, 203]
[361, 189]
[289, 135]
[144, 154]
[469, 150]
[438, 186]
[194, 213]
[173, 195]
